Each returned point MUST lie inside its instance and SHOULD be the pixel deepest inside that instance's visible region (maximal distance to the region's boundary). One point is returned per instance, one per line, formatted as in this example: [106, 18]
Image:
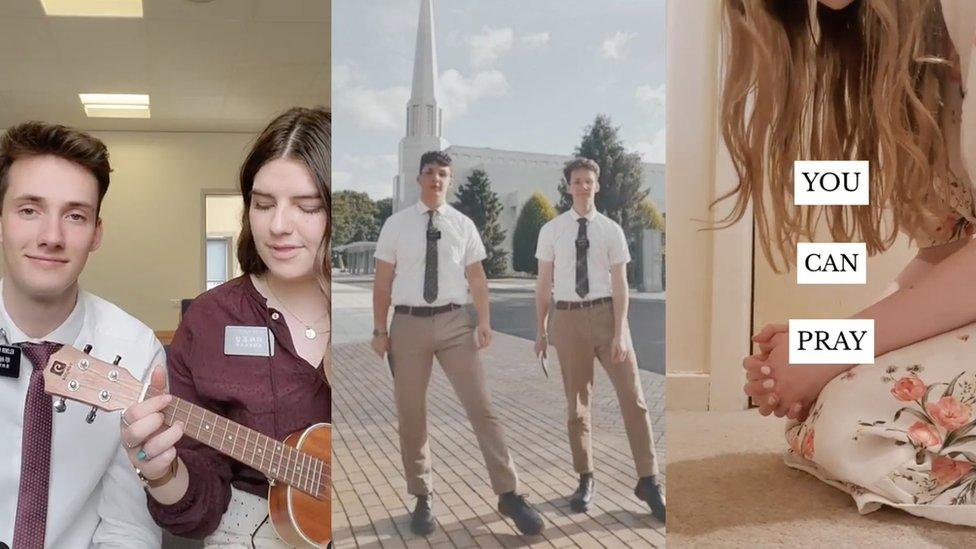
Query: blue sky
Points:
[525, 76]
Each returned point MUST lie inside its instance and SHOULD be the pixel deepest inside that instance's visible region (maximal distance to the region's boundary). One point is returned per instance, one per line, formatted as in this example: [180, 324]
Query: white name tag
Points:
[830, 182]
[832, 341]
[831, 263]
[248, 341]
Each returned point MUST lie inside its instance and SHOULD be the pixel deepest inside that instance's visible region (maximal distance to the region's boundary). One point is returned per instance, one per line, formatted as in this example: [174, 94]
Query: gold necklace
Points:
[310, 332]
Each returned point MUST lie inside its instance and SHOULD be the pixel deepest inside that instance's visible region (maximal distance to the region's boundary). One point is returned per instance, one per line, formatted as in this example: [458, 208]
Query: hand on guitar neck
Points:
[151, 445]
[298, 468]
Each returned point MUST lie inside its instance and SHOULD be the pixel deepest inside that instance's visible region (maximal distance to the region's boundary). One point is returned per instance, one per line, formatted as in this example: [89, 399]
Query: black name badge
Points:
[9, 361]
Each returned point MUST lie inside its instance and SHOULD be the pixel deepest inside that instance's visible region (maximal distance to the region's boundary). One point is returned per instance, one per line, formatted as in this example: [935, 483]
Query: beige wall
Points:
[152, 251]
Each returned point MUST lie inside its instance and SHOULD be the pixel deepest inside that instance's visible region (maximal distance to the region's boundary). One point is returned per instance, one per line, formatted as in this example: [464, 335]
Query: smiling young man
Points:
[427, 257]
[64, 483]
[583, 260]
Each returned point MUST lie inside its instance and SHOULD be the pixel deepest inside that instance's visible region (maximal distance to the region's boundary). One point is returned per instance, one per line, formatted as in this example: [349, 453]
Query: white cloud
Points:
[487, 47]
[535, 40]
[370, 162]
[650, 98]
[375, 109]
[653, 150]
[614, 46]
[459, 92]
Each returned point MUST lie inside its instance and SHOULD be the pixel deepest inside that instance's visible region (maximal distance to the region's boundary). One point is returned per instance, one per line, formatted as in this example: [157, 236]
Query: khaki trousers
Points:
[579, 336]
[414, 342]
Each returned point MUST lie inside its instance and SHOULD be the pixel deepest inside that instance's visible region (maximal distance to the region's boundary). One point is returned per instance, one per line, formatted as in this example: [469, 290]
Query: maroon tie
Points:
[35, 464]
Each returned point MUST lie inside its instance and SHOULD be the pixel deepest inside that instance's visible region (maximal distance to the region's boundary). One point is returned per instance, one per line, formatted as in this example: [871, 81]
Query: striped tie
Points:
[430, 268]
[582, 244]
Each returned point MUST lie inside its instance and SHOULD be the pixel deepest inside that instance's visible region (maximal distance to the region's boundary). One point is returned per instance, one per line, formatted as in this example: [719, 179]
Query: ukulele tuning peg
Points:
[91, 415]
[118, 359]
[87, 349]
[60, 405]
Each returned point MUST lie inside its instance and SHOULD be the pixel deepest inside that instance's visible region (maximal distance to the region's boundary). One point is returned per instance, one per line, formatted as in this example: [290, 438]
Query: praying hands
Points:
[776, 386]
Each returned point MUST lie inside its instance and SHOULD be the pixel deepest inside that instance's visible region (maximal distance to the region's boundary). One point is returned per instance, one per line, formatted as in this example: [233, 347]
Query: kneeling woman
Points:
[253, 350]
[884, 82]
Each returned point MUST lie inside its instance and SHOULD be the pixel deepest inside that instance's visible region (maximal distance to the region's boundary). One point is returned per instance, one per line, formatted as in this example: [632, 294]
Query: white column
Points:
[709, 272]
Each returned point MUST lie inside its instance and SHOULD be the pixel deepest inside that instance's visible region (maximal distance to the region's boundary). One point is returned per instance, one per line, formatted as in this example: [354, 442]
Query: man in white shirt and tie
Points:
[583, 260]
[427, 257]
[66, 482]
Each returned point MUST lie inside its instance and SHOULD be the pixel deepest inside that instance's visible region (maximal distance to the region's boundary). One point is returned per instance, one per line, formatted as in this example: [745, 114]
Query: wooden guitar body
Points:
[298, 518]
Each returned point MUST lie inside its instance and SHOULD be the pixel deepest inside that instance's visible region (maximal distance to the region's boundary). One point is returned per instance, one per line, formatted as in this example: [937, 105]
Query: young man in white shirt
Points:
[427, 257]
[583, 260]
[65, 483]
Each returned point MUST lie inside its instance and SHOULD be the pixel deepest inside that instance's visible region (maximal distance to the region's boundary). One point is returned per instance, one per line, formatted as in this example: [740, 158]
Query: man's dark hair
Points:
[434, 157]
[31, 139]
[580, 163]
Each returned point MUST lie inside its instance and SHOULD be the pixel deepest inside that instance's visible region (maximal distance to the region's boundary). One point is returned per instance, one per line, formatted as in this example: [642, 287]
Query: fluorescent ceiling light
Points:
[114, 98]
[115, 105]
[93, 8]
[117, 111]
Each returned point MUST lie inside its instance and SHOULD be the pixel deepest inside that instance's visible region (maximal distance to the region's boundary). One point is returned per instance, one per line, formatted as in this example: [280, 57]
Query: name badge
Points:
[248, 341]
[9, 361]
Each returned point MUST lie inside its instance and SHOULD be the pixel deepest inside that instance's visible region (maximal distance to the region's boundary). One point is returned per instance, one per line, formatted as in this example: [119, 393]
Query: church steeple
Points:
[424, 126]
[423, 112]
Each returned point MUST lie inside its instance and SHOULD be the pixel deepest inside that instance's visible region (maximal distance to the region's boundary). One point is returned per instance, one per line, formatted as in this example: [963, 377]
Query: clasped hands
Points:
[775, 386]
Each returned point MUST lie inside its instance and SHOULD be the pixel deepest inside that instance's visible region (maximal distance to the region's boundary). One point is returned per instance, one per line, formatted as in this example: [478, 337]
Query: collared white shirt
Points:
[403, 242]
[95, 498]
[557, 243]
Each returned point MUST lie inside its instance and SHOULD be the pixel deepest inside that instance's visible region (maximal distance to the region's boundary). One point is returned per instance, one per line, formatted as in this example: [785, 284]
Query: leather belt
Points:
[425, 311]
[570, 305]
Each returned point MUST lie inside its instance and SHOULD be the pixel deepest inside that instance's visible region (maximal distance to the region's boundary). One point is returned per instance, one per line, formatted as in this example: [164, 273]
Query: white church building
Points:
[514, 175]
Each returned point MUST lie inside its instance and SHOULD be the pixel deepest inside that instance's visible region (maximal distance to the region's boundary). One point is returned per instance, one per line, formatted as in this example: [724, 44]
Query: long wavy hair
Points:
[867, 82]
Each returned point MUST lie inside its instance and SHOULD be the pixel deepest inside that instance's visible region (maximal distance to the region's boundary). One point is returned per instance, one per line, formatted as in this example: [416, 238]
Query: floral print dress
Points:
[900, 432]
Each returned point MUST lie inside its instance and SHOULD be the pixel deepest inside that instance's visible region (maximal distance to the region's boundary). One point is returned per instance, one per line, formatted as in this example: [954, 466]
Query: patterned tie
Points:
[430, 269]
[582, 243]
[35, 464]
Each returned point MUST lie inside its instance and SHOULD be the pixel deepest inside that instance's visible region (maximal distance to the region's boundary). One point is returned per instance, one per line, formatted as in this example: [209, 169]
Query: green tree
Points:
[353, 218]
[620, 195]
[536, 212]
[475, 199]
[650, 216]
[384, 209]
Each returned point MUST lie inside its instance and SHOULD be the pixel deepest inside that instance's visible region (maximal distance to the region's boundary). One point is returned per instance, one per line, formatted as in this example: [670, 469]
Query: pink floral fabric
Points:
[900, 432]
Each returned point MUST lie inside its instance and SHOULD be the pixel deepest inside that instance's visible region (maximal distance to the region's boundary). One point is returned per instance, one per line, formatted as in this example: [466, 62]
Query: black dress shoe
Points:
[581, 499]
[527, 519]
[649, 492]
[422, 520]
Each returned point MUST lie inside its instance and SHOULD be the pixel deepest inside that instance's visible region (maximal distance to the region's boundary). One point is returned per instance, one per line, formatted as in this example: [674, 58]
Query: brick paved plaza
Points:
[371, 506]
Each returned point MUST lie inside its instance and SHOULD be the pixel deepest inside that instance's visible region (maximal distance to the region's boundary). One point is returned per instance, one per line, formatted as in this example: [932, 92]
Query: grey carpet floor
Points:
[728, 487]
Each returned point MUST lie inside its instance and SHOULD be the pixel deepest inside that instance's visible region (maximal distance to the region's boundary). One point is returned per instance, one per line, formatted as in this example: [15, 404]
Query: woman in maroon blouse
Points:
[283, 250]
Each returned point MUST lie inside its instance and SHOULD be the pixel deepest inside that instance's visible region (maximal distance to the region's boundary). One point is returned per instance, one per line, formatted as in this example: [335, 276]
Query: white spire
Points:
[424, 116]
[423, 113]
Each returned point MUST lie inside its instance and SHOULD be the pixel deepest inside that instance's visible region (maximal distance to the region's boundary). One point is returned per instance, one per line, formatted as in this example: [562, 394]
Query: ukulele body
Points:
[298, 518]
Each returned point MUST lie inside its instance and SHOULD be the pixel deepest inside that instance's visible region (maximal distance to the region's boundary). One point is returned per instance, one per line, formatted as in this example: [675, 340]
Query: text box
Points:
[831, 263]
[832, 341]
[830, 182]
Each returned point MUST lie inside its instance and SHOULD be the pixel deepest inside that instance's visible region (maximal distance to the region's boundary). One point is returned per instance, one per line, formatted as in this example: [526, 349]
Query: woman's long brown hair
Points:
[863, 83]
[304, 135]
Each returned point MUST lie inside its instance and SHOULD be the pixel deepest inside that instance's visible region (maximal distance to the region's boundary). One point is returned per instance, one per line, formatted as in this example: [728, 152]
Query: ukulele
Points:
[299, 468]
